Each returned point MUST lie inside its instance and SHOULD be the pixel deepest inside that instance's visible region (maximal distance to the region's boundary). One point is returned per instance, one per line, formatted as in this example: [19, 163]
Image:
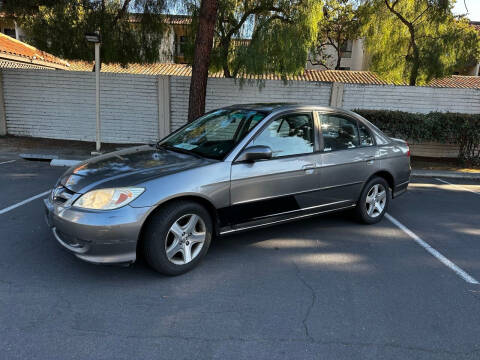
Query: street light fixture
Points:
[96, 39]
[93, 37]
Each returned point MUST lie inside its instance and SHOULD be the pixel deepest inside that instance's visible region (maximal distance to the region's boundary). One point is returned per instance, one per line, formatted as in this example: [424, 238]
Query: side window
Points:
[338, 133]
[365, 135]
[288, 135]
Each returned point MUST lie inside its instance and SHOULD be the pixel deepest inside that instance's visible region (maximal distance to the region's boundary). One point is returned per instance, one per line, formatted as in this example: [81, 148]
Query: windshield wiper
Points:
[179, 150]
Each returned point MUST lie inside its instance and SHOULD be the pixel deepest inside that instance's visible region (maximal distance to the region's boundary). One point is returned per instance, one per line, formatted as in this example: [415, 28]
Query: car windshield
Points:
[215, 134]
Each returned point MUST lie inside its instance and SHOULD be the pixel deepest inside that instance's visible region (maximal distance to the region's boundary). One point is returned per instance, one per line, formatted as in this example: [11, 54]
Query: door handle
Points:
[309, 168]
[370, 159]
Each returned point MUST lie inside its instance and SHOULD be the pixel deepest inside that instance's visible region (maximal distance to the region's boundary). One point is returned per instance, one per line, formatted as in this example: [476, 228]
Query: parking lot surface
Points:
[322, 288]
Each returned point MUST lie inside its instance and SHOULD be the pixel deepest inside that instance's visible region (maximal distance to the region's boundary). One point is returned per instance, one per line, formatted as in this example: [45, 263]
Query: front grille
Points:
[61, 194]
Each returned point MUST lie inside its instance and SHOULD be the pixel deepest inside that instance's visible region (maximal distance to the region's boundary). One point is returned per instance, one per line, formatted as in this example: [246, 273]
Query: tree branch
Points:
[420, 15]
[252, 11]
[123, 10]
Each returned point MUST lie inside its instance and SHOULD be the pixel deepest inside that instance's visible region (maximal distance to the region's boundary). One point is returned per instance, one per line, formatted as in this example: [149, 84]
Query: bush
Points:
[452, 128]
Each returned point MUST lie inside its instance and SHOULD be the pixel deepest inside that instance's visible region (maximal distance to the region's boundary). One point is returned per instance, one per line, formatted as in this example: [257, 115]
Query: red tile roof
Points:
[10, 64]
[352, 77]
[15, 50]
[178, 19]
[457, 81]
[168, 19]
[342, 76]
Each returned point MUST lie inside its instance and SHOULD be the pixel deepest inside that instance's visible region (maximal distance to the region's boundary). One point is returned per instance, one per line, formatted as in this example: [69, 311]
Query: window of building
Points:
[346, 49]
[180, 45]
[10, 32]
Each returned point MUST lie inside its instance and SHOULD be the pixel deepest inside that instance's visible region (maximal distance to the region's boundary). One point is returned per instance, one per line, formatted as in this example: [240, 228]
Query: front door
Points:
[286, 183]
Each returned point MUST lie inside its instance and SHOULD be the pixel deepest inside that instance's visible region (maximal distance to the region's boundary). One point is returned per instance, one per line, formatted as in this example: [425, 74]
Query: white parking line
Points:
[7, 162]
[7, 209]
[457, 186]
[464, 275]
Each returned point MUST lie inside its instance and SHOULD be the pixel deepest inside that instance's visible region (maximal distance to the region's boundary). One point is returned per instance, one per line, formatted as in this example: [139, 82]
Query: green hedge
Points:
[451, 128]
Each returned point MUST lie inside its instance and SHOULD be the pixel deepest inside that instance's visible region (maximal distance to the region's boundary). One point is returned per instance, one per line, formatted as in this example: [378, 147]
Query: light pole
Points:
[95, 38]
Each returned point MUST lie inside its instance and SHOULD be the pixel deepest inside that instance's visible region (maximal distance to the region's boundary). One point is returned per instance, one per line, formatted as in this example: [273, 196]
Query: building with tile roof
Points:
[17, 54]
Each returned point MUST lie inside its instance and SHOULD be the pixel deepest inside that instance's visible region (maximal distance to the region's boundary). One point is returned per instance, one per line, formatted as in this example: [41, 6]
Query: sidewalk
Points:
[52, 148]
[445, 174]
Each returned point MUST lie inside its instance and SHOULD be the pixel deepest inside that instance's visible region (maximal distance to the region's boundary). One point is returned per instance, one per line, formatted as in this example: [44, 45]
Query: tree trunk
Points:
[224, 47]
[339, 59]
[412, 81]
[201, 59]
[416, 59]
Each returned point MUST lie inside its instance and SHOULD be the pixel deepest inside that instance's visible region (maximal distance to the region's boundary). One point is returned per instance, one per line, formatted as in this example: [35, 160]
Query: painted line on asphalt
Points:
[7, 162]
[7, 209]
[464, 275]
[458, 186]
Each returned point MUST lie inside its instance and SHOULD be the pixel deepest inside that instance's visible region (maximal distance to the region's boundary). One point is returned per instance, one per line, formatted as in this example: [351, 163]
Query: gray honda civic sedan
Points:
[236, 168]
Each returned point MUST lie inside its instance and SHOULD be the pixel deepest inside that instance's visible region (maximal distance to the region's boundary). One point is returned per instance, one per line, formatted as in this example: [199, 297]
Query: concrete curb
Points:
[64, 162]
[42, 157]
[446, 174]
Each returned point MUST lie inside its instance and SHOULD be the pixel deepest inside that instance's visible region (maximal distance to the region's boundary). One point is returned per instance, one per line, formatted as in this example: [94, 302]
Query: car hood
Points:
[128, 167]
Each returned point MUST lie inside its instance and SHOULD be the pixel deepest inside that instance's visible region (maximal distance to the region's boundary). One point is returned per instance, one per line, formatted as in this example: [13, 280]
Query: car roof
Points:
[281, 106]
[285, 106]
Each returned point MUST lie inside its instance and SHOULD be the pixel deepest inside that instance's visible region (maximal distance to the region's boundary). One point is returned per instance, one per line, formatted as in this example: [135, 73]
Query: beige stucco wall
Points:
[167, 47]
[358, 56]
[355, 62]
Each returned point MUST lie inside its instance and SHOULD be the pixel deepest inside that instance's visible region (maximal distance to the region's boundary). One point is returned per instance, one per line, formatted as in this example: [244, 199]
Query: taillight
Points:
[408, 149]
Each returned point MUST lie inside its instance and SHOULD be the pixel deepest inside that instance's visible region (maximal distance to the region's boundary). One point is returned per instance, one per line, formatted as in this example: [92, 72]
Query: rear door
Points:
[285, 184]
[347, 160]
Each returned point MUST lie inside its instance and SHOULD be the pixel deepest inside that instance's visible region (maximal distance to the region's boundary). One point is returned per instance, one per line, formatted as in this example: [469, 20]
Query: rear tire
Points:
[177, 237]
[374, 201]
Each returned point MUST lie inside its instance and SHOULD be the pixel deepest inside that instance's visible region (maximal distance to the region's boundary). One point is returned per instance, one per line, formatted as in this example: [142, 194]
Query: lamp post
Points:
[95, 38]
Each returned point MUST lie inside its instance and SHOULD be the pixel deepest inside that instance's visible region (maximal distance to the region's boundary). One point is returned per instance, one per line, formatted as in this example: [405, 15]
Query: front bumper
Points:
[102, 237]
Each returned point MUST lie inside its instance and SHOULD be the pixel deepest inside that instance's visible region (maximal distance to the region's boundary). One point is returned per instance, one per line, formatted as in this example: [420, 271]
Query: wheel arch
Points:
[207, 204]
[385, 175]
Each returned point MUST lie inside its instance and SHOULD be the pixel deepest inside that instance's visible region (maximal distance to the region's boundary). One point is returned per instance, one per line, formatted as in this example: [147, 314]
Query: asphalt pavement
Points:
[322, 288]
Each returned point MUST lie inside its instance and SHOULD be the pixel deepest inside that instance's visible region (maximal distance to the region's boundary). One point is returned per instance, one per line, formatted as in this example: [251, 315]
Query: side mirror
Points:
[253, 153]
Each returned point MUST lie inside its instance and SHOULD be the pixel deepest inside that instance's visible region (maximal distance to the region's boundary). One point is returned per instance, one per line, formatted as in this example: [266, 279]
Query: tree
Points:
[415, 41]
[201, 59]
[131, 30]
[233, 16]
[340, 24]
[281, 46]
[295, 23]
[278, 45]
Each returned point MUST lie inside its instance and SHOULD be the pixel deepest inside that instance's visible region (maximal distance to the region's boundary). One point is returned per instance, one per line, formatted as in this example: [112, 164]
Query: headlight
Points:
[108, 199]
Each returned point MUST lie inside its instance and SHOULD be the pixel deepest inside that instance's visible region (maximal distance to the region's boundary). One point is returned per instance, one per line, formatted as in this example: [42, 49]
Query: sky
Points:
[473, 7]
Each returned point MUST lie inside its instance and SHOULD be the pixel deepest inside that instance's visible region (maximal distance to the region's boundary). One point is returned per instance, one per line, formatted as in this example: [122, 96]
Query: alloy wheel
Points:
[376, 200]
[185, 239]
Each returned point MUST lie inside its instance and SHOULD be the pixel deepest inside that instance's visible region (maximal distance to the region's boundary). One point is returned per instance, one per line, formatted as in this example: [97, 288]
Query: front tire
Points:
[177, 237]
[374, 201]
